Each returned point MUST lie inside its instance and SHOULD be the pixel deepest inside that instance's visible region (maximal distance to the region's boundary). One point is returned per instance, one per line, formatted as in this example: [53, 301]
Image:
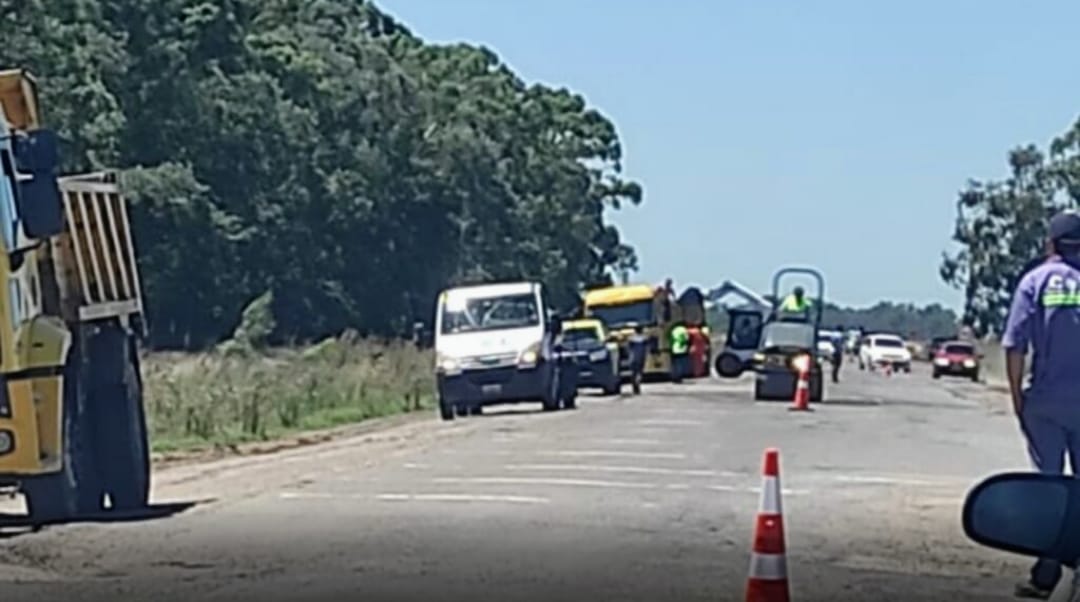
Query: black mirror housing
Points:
[1026, 513]
[37, 152]
[38, 200]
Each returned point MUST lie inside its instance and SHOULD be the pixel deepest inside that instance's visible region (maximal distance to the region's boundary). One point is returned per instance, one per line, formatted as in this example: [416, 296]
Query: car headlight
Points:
[969, 363]
[598, 356]
[759, 357]
[941, 361]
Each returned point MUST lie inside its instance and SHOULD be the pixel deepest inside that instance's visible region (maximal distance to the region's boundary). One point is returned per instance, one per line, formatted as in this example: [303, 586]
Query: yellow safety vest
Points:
[793, 304]
[680, 340]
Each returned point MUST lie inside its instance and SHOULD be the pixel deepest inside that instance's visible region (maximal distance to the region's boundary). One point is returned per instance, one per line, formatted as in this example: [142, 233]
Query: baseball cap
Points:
[1065, 227]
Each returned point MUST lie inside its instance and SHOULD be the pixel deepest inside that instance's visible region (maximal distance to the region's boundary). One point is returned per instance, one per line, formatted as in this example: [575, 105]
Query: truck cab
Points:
[496, 344]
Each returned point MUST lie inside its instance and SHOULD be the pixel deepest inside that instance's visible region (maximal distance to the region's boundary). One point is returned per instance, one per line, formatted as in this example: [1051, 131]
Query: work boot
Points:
[1031, 591]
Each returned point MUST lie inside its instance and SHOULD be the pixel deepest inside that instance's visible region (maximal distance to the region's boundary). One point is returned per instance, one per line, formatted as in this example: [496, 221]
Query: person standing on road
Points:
[837, 355]
[680, 351]
[1045, 316]
[638, 347]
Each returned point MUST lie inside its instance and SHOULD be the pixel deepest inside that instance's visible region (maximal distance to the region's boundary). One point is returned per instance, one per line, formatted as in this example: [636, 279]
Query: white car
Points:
[881, 350]
[826, 344]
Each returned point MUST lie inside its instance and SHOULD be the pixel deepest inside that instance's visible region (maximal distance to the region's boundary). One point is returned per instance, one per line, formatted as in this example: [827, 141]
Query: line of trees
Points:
[1001, 226]
[318, 156]
[905, 319]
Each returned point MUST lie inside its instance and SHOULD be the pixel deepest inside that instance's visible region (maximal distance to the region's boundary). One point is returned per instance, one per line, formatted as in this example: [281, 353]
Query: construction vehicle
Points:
[656, 310]
[73, 433]
[622, 309]
[785, 340]
[743, 331]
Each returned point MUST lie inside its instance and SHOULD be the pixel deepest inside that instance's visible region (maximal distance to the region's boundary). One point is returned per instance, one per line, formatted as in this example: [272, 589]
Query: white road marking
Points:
[617, 469]
[460, 497]
[308, 495]
[632, 441]
[557, 482]
[413, 466]
[884, 481]
[672, 422]
[614, 454]
[418, 497]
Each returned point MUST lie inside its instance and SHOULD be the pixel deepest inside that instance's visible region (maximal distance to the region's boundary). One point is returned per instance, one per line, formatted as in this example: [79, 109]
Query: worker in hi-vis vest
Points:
[796, 302]
[680, 351]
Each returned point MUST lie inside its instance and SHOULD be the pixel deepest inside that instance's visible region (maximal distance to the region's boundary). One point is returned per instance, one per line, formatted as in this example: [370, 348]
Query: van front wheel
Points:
[446, 411]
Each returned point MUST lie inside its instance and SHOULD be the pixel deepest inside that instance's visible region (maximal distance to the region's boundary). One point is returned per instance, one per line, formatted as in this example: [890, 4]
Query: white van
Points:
[494, 344]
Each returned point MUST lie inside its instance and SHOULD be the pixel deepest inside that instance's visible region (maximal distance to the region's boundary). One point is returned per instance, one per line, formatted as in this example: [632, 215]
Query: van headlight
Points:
[447, 365]
[530, 357]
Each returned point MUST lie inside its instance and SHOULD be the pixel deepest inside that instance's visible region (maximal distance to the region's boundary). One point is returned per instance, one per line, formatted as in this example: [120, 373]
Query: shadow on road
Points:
[14, 525]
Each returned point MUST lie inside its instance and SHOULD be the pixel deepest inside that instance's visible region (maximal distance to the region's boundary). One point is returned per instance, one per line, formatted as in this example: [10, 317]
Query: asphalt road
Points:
[632, 498]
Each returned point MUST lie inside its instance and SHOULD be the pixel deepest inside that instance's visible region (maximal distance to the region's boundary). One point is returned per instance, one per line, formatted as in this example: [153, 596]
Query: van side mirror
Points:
[38, 201]
[1026, 513]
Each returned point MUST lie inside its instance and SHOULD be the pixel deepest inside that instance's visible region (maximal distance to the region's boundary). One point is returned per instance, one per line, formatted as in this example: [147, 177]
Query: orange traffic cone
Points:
[768, 580]
[801, 402]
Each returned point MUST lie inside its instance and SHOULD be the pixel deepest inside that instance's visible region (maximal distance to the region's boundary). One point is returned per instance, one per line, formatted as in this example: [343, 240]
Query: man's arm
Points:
[1014, 369]
[1017, 337]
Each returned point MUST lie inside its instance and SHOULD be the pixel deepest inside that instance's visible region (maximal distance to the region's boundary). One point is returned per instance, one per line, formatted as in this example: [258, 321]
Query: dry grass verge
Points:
[222, 400]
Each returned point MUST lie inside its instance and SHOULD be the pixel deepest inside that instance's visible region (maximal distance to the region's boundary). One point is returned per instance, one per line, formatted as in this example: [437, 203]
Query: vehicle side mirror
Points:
[1026, 513]
[38, 201]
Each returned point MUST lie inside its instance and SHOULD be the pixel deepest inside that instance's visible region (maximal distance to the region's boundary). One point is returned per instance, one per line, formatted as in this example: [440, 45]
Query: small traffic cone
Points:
[768, 580]
[801, 403]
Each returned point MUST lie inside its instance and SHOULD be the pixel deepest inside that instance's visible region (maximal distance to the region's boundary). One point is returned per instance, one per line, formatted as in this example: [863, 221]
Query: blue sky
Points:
[772, 133]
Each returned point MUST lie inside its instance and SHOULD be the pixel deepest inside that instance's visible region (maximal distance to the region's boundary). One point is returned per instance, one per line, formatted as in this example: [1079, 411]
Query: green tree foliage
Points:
[904, 319]
[1001, 227]
[318, 151]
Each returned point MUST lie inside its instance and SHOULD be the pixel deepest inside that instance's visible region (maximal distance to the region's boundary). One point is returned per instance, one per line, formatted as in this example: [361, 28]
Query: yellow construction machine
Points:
[73, 433]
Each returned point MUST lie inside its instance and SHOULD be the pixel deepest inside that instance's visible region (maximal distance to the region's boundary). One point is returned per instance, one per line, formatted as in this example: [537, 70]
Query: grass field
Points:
[220, 399]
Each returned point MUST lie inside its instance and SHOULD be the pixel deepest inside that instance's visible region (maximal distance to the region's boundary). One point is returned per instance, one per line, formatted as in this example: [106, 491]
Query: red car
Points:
[956, 358]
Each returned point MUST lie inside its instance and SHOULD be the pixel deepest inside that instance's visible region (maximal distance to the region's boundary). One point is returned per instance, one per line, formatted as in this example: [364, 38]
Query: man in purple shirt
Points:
[1045, 317]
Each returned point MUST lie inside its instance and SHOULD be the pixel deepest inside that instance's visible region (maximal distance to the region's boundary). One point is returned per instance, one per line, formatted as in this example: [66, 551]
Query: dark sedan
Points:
[596, 359]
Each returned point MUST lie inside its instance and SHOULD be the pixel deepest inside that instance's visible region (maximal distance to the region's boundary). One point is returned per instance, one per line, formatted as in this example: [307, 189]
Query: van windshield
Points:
[491, 313]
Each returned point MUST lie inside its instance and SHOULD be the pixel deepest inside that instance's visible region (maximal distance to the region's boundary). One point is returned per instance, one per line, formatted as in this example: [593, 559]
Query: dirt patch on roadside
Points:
[299, 440]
